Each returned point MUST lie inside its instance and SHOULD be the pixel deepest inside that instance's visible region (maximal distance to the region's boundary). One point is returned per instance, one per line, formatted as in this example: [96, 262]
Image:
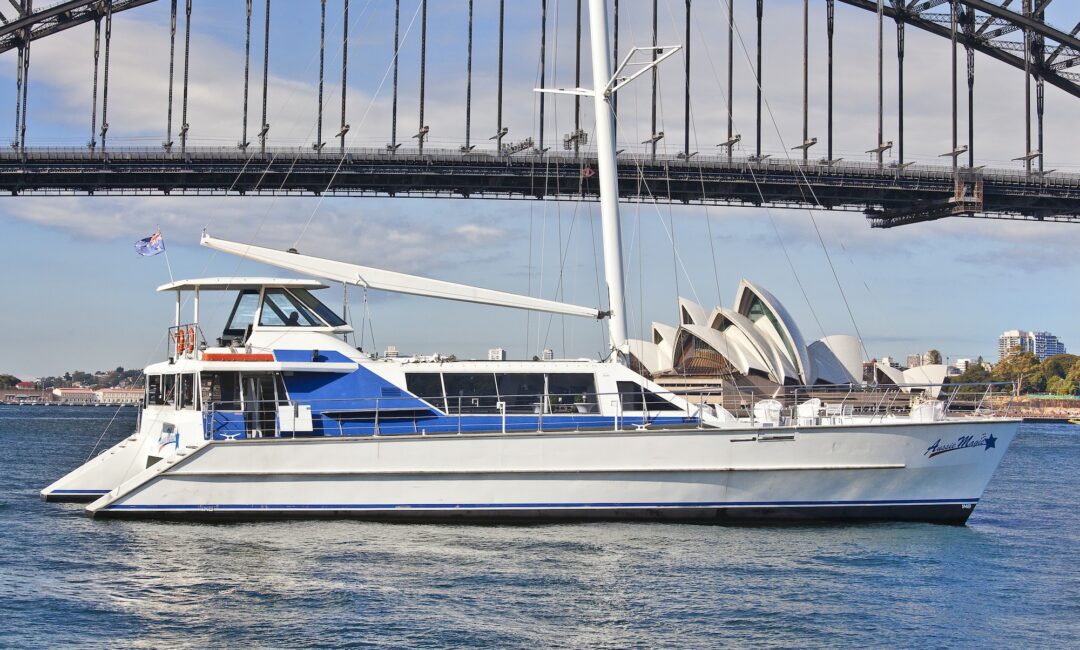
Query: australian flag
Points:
[152, 245]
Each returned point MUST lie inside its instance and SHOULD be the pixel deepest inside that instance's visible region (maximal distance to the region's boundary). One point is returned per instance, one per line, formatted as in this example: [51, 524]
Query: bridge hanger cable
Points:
[274, 155]
[363, 119]
[753, 175]
[265, 127]
[263, 134]
[105, 78]
[806, 182]
[687, 123]
[92, 144]
[757, 186]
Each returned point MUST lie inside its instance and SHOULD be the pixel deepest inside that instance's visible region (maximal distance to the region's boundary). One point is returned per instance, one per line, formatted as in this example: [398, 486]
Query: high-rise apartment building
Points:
[1042, 344]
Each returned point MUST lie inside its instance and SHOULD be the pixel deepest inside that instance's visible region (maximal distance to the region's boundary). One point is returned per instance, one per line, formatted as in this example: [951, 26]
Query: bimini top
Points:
[235, 284]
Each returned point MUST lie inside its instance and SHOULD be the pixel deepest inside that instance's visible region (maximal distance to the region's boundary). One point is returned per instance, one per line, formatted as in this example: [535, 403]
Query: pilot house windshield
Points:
[296, 308]
[280, 308]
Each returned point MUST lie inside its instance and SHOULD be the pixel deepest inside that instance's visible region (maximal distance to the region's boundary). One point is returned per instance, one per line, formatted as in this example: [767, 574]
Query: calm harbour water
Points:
[1011, 577]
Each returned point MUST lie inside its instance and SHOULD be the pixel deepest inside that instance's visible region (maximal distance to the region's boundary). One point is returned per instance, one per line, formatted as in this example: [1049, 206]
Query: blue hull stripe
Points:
[533, 506]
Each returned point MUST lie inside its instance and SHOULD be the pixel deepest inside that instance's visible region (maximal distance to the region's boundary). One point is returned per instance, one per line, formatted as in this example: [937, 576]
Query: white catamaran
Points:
[282, 417]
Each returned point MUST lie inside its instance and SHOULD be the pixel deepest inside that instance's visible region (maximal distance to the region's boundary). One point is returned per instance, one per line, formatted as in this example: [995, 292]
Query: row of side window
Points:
[525, 393]
[177, 390]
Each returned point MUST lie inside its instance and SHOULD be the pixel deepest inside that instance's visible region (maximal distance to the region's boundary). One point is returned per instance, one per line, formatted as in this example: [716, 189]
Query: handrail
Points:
[572, 161]
[835, 405]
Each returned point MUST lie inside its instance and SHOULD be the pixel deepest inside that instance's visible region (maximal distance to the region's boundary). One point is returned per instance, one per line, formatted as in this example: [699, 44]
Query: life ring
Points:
[190, 339]
[180, 344]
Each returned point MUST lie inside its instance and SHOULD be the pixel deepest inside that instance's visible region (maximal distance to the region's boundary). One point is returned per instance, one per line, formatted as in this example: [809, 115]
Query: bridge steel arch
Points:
[997, 21]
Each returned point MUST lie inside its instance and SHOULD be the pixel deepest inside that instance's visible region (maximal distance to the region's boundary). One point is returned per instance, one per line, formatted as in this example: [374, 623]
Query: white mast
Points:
[608, 172]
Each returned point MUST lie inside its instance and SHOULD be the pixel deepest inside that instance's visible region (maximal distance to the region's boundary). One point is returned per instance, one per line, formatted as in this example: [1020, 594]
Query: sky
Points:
[78, 297]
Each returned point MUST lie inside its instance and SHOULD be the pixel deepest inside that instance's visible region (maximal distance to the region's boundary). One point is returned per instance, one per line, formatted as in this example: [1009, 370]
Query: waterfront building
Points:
[74, 395]
[391, 352]
[25, 392]
[130, 395]
[914, 360]
[1042, 344]
[496, 354]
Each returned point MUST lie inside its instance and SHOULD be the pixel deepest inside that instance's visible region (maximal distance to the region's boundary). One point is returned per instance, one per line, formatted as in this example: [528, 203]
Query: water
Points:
[1009, 578]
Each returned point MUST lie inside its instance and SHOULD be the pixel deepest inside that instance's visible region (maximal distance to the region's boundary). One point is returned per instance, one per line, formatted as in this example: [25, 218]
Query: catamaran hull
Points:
[932, 472]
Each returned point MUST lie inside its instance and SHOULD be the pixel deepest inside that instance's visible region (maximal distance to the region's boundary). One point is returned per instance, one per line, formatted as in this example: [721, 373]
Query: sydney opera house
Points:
[754, 346]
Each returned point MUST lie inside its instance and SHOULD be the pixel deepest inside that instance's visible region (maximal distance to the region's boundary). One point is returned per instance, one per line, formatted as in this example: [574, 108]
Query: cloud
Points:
[476, 234]
[367, 231]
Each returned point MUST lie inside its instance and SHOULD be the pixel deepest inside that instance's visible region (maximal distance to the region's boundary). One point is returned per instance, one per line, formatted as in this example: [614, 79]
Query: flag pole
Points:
[165, 249]
[167, 265]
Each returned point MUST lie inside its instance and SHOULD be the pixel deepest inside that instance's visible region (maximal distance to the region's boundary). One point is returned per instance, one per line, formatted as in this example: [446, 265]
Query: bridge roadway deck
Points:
[372, 172]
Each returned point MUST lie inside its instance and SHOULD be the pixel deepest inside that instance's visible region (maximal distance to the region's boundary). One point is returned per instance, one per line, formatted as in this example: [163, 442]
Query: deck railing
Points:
[798, 407]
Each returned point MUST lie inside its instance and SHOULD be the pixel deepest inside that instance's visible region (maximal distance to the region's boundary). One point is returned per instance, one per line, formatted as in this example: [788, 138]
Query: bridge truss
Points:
[889, 194]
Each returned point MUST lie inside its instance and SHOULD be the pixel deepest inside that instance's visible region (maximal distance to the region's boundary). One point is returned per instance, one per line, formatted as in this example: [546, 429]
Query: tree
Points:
[1021, 367]
[1058, 365]
[932, 357]
[1074, 373]
[975, 374]
[8, 381]
[1060, 386]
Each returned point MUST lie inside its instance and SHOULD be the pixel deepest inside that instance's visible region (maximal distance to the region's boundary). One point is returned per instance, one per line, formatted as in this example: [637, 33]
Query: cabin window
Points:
[523, 393]
[282, 310]
[567, 389]
[636, 397]
[427, 386]
[313, 303]
[169, 392]
[470, 393]
[154, 393]
[243, 313]
[222, 389]
[187, 391]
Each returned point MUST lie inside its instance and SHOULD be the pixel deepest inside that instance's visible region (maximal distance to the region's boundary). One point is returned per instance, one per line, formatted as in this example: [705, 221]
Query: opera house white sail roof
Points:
[757, 338]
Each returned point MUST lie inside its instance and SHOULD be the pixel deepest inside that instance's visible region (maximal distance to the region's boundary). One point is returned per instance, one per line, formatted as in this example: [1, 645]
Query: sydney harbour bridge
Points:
[545, 166]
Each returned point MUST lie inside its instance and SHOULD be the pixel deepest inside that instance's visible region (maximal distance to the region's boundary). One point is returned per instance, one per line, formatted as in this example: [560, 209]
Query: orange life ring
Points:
[190, 339]
[180, 345]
